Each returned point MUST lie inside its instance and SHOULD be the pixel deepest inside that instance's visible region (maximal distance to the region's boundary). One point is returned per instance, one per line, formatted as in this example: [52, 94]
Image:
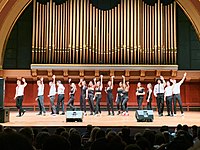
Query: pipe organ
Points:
[77, 32]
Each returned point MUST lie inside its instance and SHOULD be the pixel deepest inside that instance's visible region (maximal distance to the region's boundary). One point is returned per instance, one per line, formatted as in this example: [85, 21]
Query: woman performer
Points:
[98, 95]
[109, 96]
[71, 94]
[149, 96]
[140, 95]
[90, 96]
[125, 98]
[119, 96]
[83, 96]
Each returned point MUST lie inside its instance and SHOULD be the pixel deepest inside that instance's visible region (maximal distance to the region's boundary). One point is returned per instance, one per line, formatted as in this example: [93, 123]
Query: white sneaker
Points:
[85, 114]
[182, 114]
[174, 115]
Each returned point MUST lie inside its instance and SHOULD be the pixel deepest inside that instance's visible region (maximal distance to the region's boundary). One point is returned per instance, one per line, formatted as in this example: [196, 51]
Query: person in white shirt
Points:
[40, 97]
[168, 98]
[19, 95]
[61, 97]
[176, 93]
[159, 94]
[52, 93]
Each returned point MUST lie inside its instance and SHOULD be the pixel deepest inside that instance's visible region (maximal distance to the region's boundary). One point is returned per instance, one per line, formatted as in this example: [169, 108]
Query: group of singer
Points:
[164, 91]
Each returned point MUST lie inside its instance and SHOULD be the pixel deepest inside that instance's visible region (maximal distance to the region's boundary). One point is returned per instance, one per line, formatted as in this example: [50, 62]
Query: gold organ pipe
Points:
[175, 46]
[145, 32]
[74, 32]
[156, 33]
[128, 32]
[99, 34]
[135, 32]
[107, 37]
[171, 35]
[58, 34]
[71, 31]
[90, 34]
[152, 48]
[40, 33]
[81, 31]
[77, 30]
[122, 35]
[138, 32]
[42, 36]
[125, 30]
[115, 33]
[150, 34]
[33, 35]
[169, 40]
[87, 32]
[110, 38]
[119, 35]
[36, 39]
[94, 35]
[159, 32]
[147, 35]
[131, 33]
[63, 33]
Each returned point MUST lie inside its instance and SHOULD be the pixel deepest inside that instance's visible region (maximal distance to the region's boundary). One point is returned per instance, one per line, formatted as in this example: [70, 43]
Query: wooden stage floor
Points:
[31, 119]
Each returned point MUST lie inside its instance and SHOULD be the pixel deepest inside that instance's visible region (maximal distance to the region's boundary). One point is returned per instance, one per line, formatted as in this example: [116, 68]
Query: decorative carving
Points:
[112, 73]
[158, 73]
[34, 72]
[142, 73]
[127, 73]
[65, 73]
[49, 73]
[174, 73]
[81, 73]
[96, 73]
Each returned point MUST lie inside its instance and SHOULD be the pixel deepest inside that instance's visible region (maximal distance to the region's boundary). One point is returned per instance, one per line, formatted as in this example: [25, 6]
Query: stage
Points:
[31, 119]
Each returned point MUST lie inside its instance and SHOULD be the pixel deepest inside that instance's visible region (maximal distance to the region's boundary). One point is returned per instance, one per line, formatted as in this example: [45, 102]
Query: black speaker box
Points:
[144, 115]
[2, 92]
[4, 115]
[74, 116]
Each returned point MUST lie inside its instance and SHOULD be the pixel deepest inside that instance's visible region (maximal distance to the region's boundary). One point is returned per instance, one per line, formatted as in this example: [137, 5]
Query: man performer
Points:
[61, 97]
[176, 94]
[19, 95]
[40, 97]
[52, 93]
[159, 94]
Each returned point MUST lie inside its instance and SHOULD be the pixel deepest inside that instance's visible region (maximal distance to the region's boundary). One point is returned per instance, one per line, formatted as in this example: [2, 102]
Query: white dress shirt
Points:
[176, 89]
[61, 89]
[159, 88]
[41, 89]
[168, 91]
[52, 91]
[20, 90]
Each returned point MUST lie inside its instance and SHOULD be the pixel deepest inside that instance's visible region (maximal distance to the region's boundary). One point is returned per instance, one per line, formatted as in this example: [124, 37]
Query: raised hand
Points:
[185, 74]
[70, 79]
[53, 76]
[101, 76]
[23, 80]
[123, 76]
[161, 77]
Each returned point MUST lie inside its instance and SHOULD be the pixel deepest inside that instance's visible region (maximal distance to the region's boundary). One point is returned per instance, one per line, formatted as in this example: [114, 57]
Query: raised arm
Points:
[112, 79]
[101, 84]
[123, 82]
[54, 79]
[182, 80]
[24, 81]
[163, 80]
[95, 81]
[80, 83]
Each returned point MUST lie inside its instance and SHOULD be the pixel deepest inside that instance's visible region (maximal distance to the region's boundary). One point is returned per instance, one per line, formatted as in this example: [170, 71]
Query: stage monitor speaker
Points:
[4, 115]
[144, 115]
[74, 116]
[2, 92]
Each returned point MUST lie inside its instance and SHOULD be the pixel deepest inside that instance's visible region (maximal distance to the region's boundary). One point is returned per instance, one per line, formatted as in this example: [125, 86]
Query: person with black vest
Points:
[90, 96]
[19, 96]
[109, 96]
[119, 97]
[159, 94]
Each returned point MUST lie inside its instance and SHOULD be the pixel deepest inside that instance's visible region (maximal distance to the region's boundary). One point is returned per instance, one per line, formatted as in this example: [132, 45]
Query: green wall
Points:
[18, 49]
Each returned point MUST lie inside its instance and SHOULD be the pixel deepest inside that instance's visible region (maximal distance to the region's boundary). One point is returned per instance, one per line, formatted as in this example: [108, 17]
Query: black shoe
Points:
[161, 114]
[23, 112]
[57, 113]
[118, 113]
[39, 113]
[62, 113]
[18, 115]
[91, 114]
[113, 114]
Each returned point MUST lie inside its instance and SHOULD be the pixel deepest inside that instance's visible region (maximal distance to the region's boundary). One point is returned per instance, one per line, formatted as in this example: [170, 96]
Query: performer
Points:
[40, 97]
[176, 94]
[90, 96]
[52, 93]
[168, 98]
[149, 96]
[71, 94]
[140, 95]
[119, 96]
[159, 94]
[83, 86]
[19, 95]
[81, 94]
[125, 98]
[61, 98]
[109, 96]
[98, 95]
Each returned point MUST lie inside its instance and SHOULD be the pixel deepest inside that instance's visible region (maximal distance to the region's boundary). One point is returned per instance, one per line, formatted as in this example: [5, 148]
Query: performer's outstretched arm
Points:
[182, 80]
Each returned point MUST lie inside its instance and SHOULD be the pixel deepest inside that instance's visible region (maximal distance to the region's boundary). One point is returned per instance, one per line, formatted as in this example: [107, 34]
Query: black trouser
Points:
[19, 101]
[98, 100]
[109, 100]
[160, 102]
[177, 97]
[41, 104]
[60, 102]
[83, 103]
[53, 107]
[149, 107]
[71, 102]
[139, 101]
[119, 103]
[169, 104]
[91, 102]
[124, 104]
